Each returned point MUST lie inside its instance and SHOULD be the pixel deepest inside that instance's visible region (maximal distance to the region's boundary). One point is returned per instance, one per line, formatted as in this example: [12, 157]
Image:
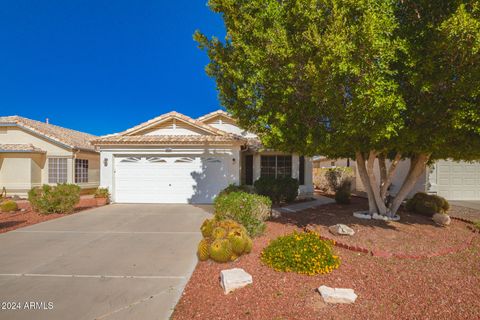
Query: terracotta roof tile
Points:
[20, 148]
[214, 114]
[70, 138]
[167, 139]
[176, 115]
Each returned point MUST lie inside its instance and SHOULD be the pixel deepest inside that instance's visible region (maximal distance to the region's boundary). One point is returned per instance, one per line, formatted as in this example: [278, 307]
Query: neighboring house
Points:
[176, 159]
[324, 162]
[33, 153]
[450, 179]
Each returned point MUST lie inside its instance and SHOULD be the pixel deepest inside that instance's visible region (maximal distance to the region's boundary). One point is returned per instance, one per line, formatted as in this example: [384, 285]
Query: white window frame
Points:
[82, 166]
[57, 170]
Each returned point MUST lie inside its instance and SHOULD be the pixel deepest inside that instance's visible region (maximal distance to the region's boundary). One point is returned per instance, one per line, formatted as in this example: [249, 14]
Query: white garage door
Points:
[154, 179]
[458, 180]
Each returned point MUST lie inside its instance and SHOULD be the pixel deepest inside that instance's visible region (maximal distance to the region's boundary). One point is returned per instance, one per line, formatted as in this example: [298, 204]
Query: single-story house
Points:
[33, 153]
[177, 159]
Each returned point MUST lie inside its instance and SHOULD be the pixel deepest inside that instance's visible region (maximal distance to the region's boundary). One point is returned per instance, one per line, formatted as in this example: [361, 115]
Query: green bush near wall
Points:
[320, 176]
[283, 189]
[54, 199]
[250, 210]
[427, 204]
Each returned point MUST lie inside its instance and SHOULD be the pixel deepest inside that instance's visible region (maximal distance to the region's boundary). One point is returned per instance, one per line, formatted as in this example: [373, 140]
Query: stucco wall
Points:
[19, 172]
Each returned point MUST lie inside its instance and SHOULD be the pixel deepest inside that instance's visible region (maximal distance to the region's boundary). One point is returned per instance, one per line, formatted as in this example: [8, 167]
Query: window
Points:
[57, 170]
[81, 171]
[301, 171]
[276, 166]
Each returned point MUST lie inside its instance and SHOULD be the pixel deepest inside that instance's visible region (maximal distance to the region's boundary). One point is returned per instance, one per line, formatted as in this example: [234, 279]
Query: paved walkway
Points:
[297, 207]
[114, 262]
[472, 204]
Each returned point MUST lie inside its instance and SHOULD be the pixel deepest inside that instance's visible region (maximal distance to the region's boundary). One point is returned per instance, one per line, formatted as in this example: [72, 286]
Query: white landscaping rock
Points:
[235, 278]
[362, 215]
[441, 219]
[385, 218]
[341, 229]
[337, 295]
[379, 217]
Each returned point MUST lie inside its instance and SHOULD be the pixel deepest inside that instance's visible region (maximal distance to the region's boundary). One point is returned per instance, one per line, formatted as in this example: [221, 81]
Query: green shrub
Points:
[234, 188]
[333, 177]
[342, 197]
[250, 210]
[288, 189]
[426, 204]
[304, 253]
[102, 193]
[321, 181]
[58, 199]
[268, 187]
[9, 206]
[283, 189]
[226, 241]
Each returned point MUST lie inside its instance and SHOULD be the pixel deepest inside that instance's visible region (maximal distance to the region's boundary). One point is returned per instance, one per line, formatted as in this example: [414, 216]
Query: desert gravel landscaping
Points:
[444, 287]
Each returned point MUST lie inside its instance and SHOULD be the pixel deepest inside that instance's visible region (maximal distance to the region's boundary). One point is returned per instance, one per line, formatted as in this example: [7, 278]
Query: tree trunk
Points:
[382, 208]
[417, 167]
[362, 170]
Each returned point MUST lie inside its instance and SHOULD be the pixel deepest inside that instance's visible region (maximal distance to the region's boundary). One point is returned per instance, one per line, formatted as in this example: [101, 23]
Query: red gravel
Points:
[446, 287]
[414, 234]
[11, 221]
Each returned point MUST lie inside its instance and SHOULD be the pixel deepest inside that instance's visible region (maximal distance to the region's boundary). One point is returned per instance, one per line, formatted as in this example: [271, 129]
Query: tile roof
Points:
[174, 115]
[167, 139]
[213, 135]
[20, 148]
[214, 114]
[67, 137]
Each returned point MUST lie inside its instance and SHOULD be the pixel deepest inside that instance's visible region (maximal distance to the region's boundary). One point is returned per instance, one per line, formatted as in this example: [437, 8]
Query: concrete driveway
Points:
[472, 204]
[115, 262]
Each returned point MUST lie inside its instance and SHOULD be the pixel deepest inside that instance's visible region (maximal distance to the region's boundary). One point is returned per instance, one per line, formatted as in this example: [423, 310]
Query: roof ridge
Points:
[177, 115]
[69, 137]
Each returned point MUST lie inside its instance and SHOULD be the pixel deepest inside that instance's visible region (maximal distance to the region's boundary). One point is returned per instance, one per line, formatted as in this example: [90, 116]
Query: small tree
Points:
[373, 79]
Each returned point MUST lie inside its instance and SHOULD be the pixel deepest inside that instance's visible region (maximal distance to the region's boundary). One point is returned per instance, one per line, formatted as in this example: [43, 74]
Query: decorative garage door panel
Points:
[153, 179]
[458, 180]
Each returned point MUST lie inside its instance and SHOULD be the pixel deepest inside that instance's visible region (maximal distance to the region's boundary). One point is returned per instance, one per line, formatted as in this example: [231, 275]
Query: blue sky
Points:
[102, 66]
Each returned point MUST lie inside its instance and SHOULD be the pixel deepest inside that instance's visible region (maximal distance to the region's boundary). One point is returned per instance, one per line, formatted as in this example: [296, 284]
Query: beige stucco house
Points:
[33, 153]
[174, 158]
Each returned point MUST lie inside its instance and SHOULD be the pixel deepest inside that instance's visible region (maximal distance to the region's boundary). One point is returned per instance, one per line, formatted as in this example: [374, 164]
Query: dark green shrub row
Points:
[54, 199]
[277, 189]
[427, 204]
[250, 210]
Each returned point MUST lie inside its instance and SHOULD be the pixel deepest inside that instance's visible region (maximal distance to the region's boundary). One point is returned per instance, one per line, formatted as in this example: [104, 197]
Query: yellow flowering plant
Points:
[304, 253]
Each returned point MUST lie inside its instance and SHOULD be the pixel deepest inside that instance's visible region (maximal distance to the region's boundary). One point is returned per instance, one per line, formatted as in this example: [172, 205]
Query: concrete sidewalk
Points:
[297, 207]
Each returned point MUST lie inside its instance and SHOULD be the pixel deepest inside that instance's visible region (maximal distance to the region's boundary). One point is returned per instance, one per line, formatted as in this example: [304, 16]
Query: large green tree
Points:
[373, 79]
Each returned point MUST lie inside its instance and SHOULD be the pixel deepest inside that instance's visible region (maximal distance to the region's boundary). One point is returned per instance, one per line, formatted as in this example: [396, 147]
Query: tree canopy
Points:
[376, 78]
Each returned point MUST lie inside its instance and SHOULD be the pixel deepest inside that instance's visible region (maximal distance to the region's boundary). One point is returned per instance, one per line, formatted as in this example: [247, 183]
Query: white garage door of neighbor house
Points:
[154, 179]
[458, 180]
